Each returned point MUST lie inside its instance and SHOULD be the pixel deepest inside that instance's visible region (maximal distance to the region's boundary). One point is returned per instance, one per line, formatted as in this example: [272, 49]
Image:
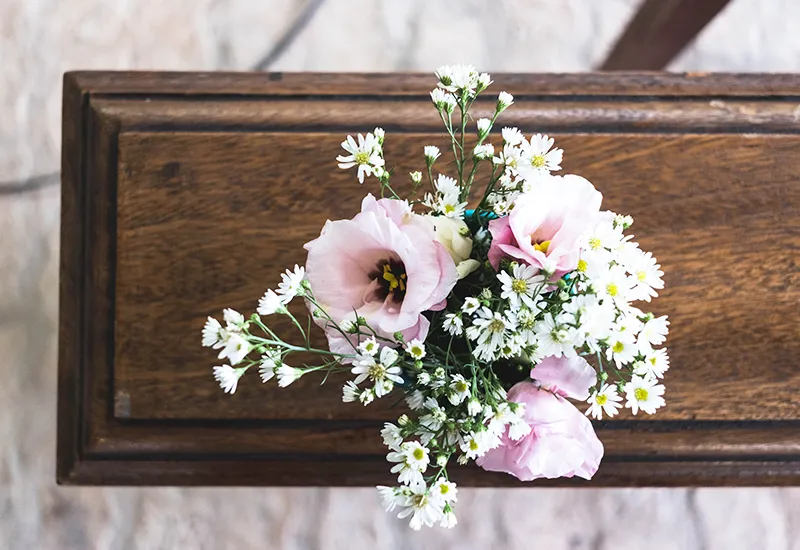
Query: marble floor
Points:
[40, 39]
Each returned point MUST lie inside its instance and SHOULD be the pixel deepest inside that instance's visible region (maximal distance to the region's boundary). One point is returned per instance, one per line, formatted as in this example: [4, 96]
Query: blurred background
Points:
[40, 39]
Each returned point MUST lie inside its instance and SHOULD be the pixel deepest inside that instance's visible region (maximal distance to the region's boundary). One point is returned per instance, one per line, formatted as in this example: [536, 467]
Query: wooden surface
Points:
[658, 32]
[187, 193]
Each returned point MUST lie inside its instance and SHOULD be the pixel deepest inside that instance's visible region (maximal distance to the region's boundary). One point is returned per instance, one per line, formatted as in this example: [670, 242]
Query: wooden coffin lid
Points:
[186, 193]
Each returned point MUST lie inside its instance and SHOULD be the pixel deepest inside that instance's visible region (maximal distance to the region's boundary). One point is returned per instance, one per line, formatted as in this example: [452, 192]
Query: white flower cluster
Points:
[521, 291]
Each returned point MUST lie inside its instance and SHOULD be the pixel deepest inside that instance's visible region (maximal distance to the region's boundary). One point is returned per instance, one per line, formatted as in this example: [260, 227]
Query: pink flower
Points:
[383, 265]
[562, 442]
[545, 225]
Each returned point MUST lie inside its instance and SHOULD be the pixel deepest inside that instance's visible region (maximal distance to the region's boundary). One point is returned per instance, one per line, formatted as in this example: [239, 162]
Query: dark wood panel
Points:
[168, 178]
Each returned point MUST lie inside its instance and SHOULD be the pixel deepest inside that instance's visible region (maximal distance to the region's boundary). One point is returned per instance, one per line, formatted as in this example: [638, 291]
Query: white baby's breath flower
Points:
[520, 286]
[236, 348]
[445, 185]
[291, 283]
[476, 444]
[366, 155]
[214, 336]
[471, 305]
[645, 394]
[288, 375]
[484, 125]
[415, 400]
[369, 346]
[512, 136]
[444, 490]
[490, 330]
[451, 206]
[606, 400]
[474, 407]
[271, 303]
[415, 348]
[431, 154]
[367, 396]
[504, 101]
[416, 177]
[350, 392]
[228, 377]
[484, 80]
[449, 519]
[554, 338]
[411, 460]
[392, 496]
[378, 372]
[458, 389]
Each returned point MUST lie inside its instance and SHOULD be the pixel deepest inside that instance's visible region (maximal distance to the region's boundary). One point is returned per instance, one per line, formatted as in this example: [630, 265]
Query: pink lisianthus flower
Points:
[545, 225]
[562, 442]
[384, 265]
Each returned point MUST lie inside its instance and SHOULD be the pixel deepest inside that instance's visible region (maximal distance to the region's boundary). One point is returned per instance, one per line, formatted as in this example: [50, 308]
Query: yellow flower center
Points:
[377, 371]
[461, 386]
[594, 243]
[473, 445]
[601, 399]
[449, 208]
[618, 347]
[641, 275]
[542, 246]
[444, 488]
[361, 157]
[640, 394]
[416, 351]
[497, 326]
[419, 454]
[582, 265]
[612, 289]
[538, 161]
[394, 281]
[519, 286]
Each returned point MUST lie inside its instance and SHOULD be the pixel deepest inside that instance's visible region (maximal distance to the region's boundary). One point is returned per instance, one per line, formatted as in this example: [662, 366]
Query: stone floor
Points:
[40, 39]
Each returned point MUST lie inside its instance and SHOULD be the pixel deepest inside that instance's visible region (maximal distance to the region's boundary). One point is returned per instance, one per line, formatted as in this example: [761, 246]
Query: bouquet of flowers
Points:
[489, 310]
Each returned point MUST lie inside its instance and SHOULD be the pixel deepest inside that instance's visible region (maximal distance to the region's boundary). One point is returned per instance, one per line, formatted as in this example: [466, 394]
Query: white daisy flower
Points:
[653, 333]
[287, 375]
[471, 305]
[291, 283]
[415, 400]
[236, 348]
[431, 153]
[553, 338]
[645, 394]
[350, 392]
[476, 444]
[365, 366]
[445, 185]
[512, 136]
[271, 303]
[449, 519]
[233, 319]
[436, 416]
[416, 349]
[228, 377]
[622, 348]
[490, 330]
[614, 284]
[451, 206]
[367, 396]
[606, 400]
[498, 417]
[214, 336]
[366, 154]
[484, 125]
[411, 460]
[539, 157]
[511, 157]
[484, 151]
[520, 286]
[474, 407]
[392, 496]
[453, 324]
[444, 490]
[655, 363]
[391, 436]
[518, 428]
[269, 362]
[369, 346]
[459, 389]
[504, 101]
[443, 100]
[456, 78]
[423, 509]
[603, 236]
[647, 275]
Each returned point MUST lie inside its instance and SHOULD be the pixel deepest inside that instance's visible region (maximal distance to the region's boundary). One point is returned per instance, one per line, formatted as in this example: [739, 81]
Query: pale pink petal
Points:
[567, 376]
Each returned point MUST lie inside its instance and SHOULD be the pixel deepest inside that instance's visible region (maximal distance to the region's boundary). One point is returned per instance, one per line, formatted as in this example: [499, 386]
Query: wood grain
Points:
[181, 199]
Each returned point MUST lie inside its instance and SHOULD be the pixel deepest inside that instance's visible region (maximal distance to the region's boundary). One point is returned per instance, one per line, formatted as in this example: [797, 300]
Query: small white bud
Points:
[416, 177]
[504, 101]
